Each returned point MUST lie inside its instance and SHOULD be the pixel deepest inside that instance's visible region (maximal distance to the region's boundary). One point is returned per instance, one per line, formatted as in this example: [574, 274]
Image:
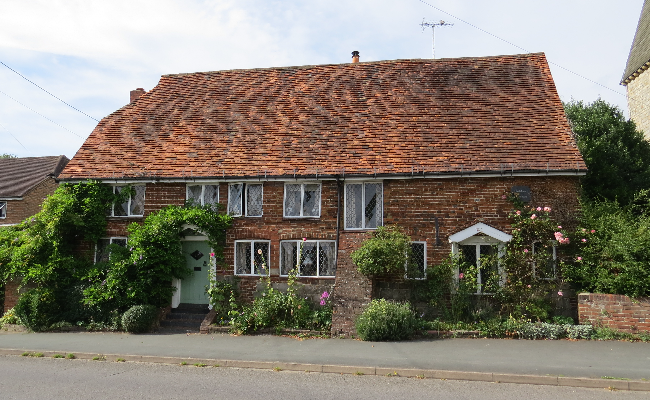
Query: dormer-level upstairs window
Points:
[133, 206]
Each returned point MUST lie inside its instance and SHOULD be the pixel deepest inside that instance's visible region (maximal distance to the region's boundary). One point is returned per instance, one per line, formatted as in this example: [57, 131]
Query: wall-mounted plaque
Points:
[523, 192]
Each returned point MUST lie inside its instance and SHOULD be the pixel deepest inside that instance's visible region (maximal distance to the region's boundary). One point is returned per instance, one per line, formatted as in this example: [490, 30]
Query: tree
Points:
[616, 153]
[7, 155]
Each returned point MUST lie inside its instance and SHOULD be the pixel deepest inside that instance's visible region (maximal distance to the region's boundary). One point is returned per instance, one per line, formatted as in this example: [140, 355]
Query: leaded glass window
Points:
[314, 258]
[3, 209]
[302, 200]
[203, 194]
[363, 205]
[102, 250]
[245, 198]
[252, 257]
[133, 206]
[416, 267]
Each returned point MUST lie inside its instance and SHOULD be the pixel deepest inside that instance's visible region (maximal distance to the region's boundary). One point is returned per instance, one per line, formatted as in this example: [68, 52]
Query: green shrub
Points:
[386, 252]
[579, 331]
[37, 309]
[139, 319]
[386, 320]
[10, 317]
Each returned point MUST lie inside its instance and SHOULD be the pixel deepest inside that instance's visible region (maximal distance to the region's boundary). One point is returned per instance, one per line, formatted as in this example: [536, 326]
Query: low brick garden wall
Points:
[615, 311]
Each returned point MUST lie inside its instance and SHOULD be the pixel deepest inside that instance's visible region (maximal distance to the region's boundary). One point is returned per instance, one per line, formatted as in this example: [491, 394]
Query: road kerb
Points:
[619, 384]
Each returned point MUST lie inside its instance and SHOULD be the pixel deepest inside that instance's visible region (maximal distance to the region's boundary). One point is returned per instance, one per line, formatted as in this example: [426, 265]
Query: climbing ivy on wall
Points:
[45, 250]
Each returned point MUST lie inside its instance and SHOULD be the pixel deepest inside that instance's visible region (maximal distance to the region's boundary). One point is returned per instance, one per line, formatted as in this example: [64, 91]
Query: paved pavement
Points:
[560, 362]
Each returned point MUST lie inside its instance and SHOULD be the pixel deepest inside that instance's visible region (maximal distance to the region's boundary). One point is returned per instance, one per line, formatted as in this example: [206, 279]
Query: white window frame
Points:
[554, 258]
[3, 209]
[298, 254]
[252, 266]
[480, 234]
[244, 199]
[424, 273]
[302, 199]
[363, 201]
[202, 197]
[110, 241]
[128, 201]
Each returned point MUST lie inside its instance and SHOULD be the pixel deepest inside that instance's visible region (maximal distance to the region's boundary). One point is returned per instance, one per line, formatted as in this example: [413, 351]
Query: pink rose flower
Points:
[525, 250]
[593, 231]
[584, 240]
[461, 275]
[518, 212]
[579, 258]
[547, 209]
[559, 293]
[559, 227]
[529, 286]
[304, 239]
[533, 216]
[539, 208]
[558, 236]
[211, 254]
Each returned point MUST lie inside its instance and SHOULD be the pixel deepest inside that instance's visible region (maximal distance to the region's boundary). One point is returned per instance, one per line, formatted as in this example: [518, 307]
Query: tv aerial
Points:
[433, 26]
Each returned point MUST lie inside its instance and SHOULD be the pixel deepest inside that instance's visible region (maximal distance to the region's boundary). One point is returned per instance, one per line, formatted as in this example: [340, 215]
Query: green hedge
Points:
[386, 320]
[139, 319]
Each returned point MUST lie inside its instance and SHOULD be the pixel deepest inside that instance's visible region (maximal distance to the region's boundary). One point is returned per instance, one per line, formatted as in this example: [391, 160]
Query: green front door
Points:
[197, 259]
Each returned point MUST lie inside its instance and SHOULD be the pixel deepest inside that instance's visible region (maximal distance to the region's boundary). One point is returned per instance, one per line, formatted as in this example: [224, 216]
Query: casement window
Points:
[133, 206]
[544, 261]
[102, 253]
[203, 194]
[416, 266]
[3, 209]
[252, 257]
[245, 199]
[314, 258]
[302, 200]
[363, 205]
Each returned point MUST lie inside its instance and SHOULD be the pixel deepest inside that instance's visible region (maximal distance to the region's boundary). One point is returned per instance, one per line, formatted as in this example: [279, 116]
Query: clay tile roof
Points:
[388, 117]
[19, 175]
[639, 57]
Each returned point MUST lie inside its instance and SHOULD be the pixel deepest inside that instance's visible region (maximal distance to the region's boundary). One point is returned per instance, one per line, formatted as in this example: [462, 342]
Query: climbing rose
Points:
[547, 209]
[525, 250]
[533, 216]
[560, 293]
[579, 258]
[559, 227]
[211, 254]
[518, 212]
[259, 251]
[461, 275]
[539, 208]
[584, 240]
[593, 231]
[304, 239]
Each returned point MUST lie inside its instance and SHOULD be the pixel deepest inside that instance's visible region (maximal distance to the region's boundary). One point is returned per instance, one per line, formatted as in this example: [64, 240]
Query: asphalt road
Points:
[48, 378]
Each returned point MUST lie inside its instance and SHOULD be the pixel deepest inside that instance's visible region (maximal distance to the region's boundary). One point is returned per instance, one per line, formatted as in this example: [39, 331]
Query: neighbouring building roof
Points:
[19, 175]
[639, 58]
[375, 118]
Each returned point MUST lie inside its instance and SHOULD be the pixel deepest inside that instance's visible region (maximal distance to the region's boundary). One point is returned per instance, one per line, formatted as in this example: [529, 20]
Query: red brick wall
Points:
[414, 204]
[12, 294]
[615, 311]
[18, 210]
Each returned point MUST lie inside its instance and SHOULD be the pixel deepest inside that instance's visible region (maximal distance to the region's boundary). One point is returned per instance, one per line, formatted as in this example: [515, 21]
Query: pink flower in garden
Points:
[539, 208]
[211, 254]
[560, 293]
[518, 212]
[322, 302]
[558, 236]
[533, 216]
[504, 197]
[304, 239]
[529, 286]
[593, 231]
[559, 227]
[324, 295]
[547, 209]
[584, 240]
[259, 251]
[461, 275]
[525, 250]
[579, 258]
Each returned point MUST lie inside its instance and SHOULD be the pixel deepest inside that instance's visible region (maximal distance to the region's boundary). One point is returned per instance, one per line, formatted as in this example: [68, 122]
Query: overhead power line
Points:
[31, 109]
[12, 135]
[520, 48]
[69, 105]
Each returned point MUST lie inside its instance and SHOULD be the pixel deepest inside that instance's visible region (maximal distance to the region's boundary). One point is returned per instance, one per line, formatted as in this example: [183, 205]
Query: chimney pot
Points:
[355, 57]
[135, 94]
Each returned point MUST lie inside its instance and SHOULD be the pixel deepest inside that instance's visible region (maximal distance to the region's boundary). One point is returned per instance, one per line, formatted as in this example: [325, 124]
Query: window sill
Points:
[288, 217]
[310, 277]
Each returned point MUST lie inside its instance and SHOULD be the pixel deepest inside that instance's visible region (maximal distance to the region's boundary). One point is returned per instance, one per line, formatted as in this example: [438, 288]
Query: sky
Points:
[91, 54]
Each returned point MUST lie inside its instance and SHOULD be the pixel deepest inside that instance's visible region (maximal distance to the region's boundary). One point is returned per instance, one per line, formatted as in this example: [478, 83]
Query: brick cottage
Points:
[331, 152]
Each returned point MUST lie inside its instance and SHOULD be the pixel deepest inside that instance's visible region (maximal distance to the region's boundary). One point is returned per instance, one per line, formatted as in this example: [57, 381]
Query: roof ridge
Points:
[470, 58]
